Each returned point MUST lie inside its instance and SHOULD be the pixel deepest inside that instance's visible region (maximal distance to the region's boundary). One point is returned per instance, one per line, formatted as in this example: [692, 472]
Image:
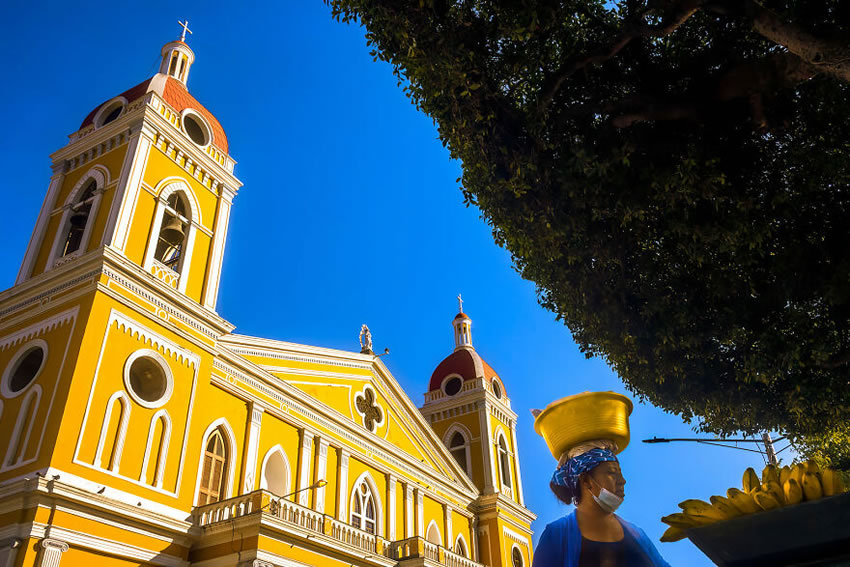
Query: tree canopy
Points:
[672, 174]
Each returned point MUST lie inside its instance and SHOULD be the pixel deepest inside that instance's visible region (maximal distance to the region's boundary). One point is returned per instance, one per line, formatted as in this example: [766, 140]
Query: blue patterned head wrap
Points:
[568, 473]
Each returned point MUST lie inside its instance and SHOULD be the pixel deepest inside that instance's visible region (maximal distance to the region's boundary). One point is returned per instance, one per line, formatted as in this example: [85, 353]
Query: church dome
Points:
[464, 362]
[175, 94]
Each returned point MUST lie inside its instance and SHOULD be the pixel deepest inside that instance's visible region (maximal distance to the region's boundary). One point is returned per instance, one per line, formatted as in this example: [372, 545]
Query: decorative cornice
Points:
[157, 341]
[39, 328]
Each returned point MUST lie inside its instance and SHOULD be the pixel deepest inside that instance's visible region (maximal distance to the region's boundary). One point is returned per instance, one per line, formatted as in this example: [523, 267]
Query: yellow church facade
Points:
[136, 428]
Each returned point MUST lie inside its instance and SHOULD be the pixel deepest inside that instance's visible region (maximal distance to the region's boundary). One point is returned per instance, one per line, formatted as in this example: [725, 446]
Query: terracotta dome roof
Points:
[176, 96]
[462, 315]
[464, 362]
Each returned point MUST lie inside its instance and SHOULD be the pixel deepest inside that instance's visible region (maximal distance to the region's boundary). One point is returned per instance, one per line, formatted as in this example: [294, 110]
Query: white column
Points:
[252, 448]
[408, 511]
[321, 474]
[51, 552]
[420, 513]
[37, 238]
[304, 469]
[490, 480]
[222, 220]
[126, 193]
[473, 534]
[450, 540]
[391, 511]
[342, 492]
[520, 496]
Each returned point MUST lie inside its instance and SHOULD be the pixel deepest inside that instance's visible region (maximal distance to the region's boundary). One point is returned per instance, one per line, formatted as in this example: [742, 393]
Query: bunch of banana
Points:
[777, 487]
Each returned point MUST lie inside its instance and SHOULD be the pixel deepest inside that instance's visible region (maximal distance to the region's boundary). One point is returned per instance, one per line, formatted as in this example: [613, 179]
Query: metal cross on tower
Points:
[185, 29]
[459, 304]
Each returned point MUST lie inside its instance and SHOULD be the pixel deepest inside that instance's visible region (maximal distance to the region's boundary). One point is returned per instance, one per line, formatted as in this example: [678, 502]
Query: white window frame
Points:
[7, 373]
[230, 471]
[433, 524]
[163, 448]
[502, 438]
[460, 539]
[164, 190]
[376, 496]
[287, 482]
[121, 398]
[105, 109]
[101, 177]
[169, 378]
[9, 460]
[467, 440]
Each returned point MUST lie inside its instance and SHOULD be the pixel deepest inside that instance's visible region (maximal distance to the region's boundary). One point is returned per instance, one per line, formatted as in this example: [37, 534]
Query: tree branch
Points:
[684, 9]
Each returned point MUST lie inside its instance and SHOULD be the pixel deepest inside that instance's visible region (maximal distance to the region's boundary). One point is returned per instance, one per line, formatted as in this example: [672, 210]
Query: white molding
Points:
[38, 233]
[321, 473]
[217, 254]
[515, 447]
[446, 379]
[306, 450]
[12, 365]
[169, 185]
[467, 446]
[252, 447]
[51, 552]
[420, 512]
[342, 488]
[287, 482]
[100, 175]
[486, 441]
[163, 448]
[16, 443]
[230, 439]
[121, 397]
[379, 423]
[447, 515]
[196, 115]
[391, 506]
[109, 104]
[366, 477]
[500, 435]
[169, 378]
[408, 511]
[510, 557]
[466, 548]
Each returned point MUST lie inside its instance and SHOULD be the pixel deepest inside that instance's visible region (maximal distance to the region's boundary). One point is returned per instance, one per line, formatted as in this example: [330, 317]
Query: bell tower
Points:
[468, 407]
[146, 180]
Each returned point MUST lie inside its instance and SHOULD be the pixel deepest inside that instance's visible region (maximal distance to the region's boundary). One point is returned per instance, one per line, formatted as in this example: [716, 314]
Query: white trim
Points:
[433, 524]
[109, 105]
[170, 185]
[486, 439]
[100, 175]
[10, 461]
[511, 556]
[127, 192]
[467, 446]
[163, 448]
[12, 364]
[392, 483]
[446, 381]
[342, 489]
[38, 233]
[408, 510]
[230, 439]
[208, 134]
[462, 540]
[217, 253]
[122, 398]
[306, 450]
[366, 477]
[163, 190]
[252, 447]
[520, 495]
[169, 378]
[500, 435]
[420, 512]
[321, 473]
[287, 478]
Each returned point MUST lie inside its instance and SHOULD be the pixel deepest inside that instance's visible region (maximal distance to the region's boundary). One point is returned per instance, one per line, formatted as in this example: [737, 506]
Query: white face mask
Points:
[607, 500]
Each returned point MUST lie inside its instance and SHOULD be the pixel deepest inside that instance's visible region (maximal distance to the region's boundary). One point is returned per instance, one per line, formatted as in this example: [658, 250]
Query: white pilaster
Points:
[408, 511]
[252, 448]
[420, 513]
[304, 469]
[342, 489]
[127, 192]
[321, 473]
[51, 552]
[37, 238]
[222, 220]
[473, 533]
[520, 496]
[490, 480]
[391, 511]
[450, 539]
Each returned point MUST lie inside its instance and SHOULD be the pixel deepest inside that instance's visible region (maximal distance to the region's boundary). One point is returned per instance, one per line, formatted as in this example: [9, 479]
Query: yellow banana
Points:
[770, 473]
[793, 492]
[797, 472]
[832, 482]
[784, 474]
[765, 499]
[695, 507]
[812, 467]
[751, 480]
[812, 488]
[673, 534]
[725, 506]
[774, 488]
[743, 501]
[686, 521]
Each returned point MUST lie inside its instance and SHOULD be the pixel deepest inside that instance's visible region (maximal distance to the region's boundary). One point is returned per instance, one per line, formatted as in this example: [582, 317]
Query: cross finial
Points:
[459, 304]
[185, 29]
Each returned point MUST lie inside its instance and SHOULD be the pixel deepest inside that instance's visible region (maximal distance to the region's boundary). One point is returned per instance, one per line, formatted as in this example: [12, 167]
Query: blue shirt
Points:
[560, 544]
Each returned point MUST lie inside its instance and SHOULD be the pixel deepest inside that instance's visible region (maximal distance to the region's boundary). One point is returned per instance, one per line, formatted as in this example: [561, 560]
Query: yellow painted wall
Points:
[275, 431]
[355, 469]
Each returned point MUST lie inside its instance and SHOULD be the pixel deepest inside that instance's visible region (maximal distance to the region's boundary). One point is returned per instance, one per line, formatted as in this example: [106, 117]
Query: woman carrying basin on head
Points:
[585, 432]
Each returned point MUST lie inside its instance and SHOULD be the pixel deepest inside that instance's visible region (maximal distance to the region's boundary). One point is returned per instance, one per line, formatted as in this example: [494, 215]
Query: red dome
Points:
[466, 363]
[176, 96]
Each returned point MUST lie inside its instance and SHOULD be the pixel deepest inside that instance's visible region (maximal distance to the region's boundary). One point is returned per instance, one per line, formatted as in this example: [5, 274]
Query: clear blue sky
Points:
[350, 214]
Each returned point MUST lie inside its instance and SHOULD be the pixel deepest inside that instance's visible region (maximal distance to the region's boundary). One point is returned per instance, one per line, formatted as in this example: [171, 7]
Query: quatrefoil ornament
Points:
[369, 409]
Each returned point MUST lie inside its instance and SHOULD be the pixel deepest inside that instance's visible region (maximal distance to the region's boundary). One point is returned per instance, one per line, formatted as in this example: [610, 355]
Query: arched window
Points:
[460, 547]
[214, 472]
[111, 442]
[275, 475]
[459, 448]
[432, 534]
[504, 462]
[516, 558]
[363, 512]
[23, 428]
[173, 230]
[156, 449]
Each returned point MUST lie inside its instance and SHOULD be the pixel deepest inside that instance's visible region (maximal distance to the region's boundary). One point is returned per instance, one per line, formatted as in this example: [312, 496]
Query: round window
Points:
[452, 386]
[148, 379]
[24, 368]
[113, 114]
[196, 129]
[497, 389]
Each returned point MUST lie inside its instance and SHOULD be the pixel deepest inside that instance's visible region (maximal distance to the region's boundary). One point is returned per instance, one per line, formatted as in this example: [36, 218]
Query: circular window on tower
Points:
[196, 128]
[110, 111]
[452, 385]
[148, 378]
[24, 368]
[497, 389]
